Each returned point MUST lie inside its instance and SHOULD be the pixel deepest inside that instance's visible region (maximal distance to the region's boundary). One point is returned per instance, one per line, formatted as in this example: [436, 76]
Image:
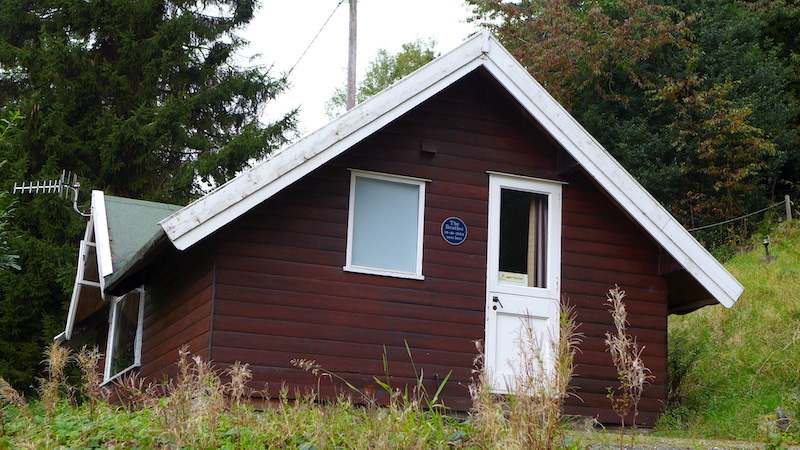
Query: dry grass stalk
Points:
[134, 394]
[488, 408]
[316, 369]
[540, 385]
[91, 378]
[56, 358]
[627, 357]
[9, 395]
[190, 404]
[194, 403]
[237, 387]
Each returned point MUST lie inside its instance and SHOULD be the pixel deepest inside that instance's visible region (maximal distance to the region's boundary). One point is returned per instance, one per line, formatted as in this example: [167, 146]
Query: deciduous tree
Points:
[684, 93]
[384, 70]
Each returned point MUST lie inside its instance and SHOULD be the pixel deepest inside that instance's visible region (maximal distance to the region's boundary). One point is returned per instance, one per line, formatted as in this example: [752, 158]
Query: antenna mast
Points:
[62, 186]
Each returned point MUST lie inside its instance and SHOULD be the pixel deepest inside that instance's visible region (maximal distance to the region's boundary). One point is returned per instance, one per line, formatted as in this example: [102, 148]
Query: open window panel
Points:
[385, 225]
[523, 277]
[87, 294]
[94, 264]
[124, 347]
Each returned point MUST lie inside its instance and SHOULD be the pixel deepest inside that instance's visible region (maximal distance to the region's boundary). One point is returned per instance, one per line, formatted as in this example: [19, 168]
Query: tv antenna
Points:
[68, 182]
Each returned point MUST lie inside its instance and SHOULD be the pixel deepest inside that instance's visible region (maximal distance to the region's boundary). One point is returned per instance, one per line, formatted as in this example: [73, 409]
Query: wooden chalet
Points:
[451, 208]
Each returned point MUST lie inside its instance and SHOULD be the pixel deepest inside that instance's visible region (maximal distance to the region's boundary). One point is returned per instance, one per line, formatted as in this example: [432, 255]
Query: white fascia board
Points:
[218, 208]
[615, 179]
[703, 266]
[101, 238]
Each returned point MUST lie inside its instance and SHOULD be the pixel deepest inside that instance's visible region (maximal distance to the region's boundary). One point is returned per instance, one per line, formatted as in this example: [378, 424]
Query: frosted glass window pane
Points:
[385, 225]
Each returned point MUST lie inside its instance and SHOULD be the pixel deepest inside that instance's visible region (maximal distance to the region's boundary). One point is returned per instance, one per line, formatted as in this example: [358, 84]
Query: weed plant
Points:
[51, 388]
[626, 355]
[203, 407]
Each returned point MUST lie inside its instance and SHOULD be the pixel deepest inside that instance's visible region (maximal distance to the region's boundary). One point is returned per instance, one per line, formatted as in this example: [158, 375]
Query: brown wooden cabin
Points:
[449, 209]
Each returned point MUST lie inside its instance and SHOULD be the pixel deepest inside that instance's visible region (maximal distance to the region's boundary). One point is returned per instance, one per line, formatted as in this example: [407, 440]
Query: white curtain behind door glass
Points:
[537, 242]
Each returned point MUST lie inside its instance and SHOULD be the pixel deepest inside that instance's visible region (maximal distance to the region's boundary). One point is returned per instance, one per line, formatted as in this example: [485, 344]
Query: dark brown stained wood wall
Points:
[281, 292]
[602, 247]
[177, 310]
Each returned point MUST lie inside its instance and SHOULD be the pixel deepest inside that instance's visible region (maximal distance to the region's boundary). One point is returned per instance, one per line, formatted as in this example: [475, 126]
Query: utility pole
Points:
[351, 59]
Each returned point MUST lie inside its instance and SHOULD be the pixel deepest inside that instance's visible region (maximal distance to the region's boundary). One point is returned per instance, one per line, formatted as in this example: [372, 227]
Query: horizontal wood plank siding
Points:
[602, 248]
[281, 292]
[177, 311]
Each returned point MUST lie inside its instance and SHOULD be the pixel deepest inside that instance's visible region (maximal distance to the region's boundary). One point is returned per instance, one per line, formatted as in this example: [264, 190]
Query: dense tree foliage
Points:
[696, 98]
[141, 99]
[383, 70]
[8, 260]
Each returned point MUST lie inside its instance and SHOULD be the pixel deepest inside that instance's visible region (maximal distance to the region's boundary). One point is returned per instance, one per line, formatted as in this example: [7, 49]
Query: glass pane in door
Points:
[523, 238]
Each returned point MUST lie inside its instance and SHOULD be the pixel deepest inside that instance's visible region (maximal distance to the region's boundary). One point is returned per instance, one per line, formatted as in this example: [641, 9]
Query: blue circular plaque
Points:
[454, 230]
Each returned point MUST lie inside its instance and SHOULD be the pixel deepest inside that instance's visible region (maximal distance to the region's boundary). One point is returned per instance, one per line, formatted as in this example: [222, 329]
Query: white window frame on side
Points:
[116, 303]
[420, 184]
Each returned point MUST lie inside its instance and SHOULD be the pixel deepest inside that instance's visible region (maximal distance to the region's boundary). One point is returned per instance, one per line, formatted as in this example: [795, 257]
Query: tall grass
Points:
[9, 396]
[56, 358]
[531, 417]
[203, 407]
[732, 368]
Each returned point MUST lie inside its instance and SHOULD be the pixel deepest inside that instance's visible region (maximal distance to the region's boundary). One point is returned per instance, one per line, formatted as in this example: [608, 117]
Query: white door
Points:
[523, 279]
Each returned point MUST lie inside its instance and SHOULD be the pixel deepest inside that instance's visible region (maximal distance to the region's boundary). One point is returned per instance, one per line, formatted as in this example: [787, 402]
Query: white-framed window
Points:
[385, 224]
[124, 348]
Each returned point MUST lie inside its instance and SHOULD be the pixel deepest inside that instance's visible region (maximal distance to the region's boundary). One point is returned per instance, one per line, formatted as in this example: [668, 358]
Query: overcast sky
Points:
[282, 30]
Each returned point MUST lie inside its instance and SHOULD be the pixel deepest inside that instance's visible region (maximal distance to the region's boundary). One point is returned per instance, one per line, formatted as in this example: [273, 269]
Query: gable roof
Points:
[231, 200]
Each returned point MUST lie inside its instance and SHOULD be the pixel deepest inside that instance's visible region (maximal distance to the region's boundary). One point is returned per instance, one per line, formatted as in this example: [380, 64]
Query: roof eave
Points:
[612, 177]
[201, 218]
[124, 278]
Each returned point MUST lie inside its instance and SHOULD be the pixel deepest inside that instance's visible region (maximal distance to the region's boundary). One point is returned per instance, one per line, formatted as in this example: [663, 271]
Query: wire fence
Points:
[732, 231]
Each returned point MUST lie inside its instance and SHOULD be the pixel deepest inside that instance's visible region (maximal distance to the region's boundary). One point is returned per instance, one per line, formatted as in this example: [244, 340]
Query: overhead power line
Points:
[315, 37]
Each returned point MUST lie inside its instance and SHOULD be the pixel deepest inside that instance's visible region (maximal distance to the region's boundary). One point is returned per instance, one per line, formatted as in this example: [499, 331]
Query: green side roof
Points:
[133, 228]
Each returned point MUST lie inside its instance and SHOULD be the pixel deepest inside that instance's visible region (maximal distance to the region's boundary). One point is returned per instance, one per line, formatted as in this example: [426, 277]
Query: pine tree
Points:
[140, 98]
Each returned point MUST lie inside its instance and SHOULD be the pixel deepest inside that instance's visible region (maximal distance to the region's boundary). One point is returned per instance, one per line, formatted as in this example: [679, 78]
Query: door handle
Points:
[496, 300]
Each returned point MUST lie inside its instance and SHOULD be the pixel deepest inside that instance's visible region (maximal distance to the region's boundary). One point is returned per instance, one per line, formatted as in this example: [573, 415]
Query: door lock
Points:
[496, 300]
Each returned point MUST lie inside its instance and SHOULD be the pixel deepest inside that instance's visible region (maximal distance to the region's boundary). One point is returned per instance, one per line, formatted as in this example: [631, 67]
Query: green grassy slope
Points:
[733, 367]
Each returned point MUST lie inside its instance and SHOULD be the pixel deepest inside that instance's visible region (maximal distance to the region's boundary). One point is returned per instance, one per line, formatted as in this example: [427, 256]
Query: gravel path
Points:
[609, 441]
